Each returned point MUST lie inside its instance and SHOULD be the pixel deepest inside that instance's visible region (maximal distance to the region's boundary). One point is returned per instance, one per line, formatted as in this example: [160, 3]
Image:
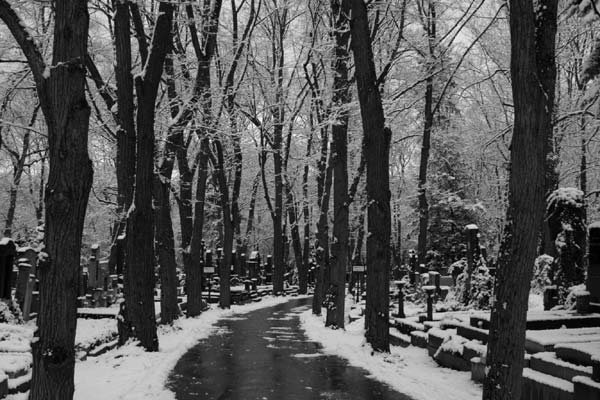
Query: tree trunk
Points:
[533, 74]
[377, 144]
[139, 289]
[322, 276]
[228, 227]
[163, 230]
[251, 209]
[63, 102]
[339, 149]
[277, 215]
[294, 229]
[425, 146]
[193, 271]
[125, 159]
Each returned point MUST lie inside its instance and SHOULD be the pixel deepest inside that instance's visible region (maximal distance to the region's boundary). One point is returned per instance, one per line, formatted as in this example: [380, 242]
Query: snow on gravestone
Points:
[593, 275]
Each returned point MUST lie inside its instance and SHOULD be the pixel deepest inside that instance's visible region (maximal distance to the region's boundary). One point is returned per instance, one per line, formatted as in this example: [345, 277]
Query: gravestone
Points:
[269, 269]
[243, 271]
[30, 255]
[93, 266]
[254, 264]
[7, 257]
[22, 281]
[233, 268]
[593, 275]
[31, 299]
[471, 233]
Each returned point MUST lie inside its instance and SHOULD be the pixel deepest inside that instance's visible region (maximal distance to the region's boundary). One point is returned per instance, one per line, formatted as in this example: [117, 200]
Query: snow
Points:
[555, 336]
[93, 331]
[409, 370]
[587, 381]
[569, 196]
[548, 380]
[552, 358]
[130, 373]
[5, 241]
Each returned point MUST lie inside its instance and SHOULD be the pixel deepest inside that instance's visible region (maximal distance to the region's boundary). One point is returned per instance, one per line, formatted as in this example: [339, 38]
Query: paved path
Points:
[264, 355]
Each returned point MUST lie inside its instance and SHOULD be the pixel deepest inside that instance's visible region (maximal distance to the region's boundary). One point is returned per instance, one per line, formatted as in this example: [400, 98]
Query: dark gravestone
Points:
[7, 257]
[254, 264]
[22, 281]
[471, 233]
[30, 255]
[593, 275]
[243, 271]
[234, 265]
[93, 268]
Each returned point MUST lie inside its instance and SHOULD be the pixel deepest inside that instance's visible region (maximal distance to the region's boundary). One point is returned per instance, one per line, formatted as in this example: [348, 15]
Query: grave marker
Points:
[7, 255]
[593, 275]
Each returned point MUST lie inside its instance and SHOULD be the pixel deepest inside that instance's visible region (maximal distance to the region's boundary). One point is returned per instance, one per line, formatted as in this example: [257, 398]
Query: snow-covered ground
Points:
[409, 370]
[129, 373]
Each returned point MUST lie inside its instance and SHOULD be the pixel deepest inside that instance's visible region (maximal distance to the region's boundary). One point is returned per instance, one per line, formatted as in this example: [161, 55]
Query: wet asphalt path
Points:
[264, 355]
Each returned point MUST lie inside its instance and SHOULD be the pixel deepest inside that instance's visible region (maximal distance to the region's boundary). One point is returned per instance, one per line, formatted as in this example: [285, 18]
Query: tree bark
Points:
[377, 144]
[139, 290]
[63, 102]
[125, 159]
[339, 148]
[425, 146]
[533, 75]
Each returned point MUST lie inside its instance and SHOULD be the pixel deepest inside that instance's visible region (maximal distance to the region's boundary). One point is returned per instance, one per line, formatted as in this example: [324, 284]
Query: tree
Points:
[139, 276]
[533, 73]
[340, 12]
[376, 147]
[61, 92]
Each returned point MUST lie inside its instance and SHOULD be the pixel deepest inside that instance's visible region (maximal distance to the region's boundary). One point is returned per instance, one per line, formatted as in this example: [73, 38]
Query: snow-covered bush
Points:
[10, 312]
[480, 294]
[542, 273]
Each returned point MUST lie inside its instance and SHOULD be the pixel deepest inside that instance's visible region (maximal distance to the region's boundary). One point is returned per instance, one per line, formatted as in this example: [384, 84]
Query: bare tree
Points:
[533, 73]
[61, 91]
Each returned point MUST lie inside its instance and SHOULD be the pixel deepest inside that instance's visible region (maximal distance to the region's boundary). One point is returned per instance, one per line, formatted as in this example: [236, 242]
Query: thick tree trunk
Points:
[377, 144]
[139, 289]
[165, 247]
[533, 74]
[163, 229]
[125, 158]
[63, 102]
[339, 148]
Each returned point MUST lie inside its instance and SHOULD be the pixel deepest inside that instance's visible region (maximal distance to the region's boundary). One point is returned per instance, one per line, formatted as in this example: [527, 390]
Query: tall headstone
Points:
[30, 255]
[593, 274]
[22, 281]
[243, 270]
[472, 239]
[234, 264]
[93, 267]
[7, 257]
[254, 264]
